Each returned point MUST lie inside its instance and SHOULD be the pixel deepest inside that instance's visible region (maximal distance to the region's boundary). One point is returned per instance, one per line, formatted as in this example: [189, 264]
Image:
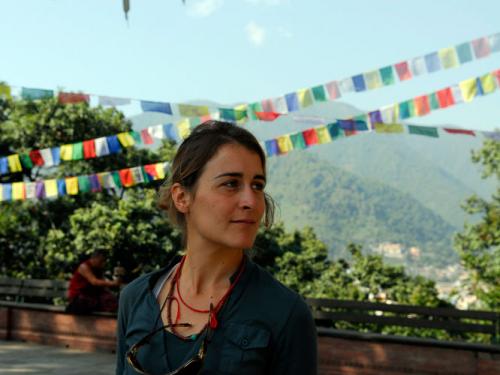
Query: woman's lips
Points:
[243, 221]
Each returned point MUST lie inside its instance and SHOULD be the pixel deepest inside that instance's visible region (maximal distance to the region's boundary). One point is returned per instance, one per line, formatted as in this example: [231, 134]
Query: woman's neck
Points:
[207, 270]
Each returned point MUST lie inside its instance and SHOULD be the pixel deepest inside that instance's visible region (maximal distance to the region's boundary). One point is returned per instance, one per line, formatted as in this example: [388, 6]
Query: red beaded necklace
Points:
[213, 313]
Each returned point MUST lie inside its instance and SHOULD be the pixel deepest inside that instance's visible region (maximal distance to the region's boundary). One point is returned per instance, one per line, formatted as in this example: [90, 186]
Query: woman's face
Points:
[228, 203]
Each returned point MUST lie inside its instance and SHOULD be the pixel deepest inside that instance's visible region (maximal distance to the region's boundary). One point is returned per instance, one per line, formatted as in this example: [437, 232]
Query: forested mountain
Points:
[345, 208]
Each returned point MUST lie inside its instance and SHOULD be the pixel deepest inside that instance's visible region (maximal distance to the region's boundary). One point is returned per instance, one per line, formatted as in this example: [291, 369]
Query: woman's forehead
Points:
[234, 158]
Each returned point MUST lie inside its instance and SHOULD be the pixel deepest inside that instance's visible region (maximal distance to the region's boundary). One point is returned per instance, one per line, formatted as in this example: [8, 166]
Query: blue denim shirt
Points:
[264, 328]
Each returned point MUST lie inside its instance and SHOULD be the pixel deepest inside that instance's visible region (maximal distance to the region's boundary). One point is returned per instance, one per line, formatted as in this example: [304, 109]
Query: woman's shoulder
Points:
[273, 295]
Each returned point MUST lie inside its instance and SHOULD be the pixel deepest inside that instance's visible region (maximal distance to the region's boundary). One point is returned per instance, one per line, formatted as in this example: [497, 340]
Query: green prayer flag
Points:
[319, 93]
[136, 136]
[433, 101]
[26, 161]
[116, 179]
[77, 151]
[335, 130]
[427, 131]
[84, 184]
[254, 107]
[406, 109]
[298, 141]
[387, 74]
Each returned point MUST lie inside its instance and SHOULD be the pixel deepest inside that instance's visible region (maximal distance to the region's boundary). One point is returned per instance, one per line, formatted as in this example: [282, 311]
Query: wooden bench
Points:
[28, 313]
[328, 312]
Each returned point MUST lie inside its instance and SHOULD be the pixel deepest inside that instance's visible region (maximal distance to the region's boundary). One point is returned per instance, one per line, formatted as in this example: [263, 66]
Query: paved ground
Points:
[23, 358]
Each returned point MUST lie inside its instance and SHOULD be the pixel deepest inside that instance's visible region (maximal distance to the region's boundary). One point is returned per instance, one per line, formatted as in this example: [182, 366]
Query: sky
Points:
[234, 51]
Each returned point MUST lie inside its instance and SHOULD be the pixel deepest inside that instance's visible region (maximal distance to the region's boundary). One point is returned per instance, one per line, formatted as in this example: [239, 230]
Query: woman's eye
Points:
[259, 186]
[231, 184]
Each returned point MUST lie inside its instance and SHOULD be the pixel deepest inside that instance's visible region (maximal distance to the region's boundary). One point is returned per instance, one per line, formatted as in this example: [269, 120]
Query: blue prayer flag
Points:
[156, 107]
[170, 132]
[7, 192]
[347, 125]
[56, 155]
[432, 62]
[113, 144]
[292, 102]
[272, 147]
[95, 185]
[40, 189]
[4, 165]
[359, 82]
[61, 187]
[375, 117]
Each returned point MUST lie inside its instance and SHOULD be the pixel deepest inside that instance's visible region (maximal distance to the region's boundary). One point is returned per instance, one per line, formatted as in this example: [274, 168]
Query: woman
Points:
[214, 311]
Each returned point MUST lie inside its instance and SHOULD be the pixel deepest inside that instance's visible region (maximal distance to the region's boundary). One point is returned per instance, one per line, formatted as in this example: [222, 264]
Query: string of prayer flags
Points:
[74, 185]
[270, 109]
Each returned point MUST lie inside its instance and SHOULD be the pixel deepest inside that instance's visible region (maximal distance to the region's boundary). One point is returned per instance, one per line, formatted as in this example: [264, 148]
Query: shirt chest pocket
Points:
[245, 349]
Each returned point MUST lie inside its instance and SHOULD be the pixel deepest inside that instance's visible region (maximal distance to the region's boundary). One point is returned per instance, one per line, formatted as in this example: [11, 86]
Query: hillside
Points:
[345, 208]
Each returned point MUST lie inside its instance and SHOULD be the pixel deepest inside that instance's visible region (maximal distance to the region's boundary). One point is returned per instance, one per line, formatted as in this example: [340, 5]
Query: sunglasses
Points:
[191, 367]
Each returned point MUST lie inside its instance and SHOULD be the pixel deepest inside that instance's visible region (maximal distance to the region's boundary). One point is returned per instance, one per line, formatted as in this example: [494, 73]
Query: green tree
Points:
[45, 238]
[479, 244]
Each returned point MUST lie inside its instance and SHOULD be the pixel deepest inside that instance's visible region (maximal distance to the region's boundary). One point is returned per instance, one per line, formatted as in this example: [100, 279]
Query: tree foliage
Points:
[479, 243]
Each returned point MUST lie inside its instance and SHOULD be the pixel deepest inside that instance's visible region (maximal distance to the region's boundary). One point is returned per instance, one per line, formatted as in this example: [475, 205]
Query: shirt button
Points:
[244, 342]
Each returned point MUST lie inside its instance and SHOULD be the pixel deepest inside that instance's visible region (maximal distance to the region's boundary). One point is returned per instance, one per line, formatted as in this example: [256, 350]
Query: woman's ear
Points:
[180, 197]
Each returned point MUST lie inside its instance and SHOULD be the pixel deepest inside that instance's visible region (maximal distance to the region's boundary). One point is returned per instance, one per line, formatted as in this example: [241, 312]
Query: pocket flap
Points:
[247, 337]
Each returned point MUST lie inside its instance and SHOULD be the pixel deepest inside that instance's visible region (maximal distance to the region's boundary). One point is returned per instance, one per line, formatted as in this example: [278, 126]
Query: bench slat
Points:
[406, 322]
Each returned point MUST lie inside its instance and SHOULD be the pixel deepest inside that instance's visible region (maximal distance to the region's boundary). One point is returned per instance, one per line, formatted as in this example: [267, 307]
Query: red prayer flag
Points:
[460, 131]
[146, 137]
[348, 133]
[445, 98]
[310, 137]
[496, 74]
[71, 98]
[422, 105]
[36, 158]
[403, 70]
[89, 149]
[267, 116]
[151, 171]
[126, 177]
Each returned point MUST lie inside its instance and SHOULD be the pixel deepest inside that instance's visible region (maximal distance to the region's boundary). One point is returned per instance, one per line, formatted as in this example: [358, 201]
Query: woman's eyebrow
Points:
[240, 175]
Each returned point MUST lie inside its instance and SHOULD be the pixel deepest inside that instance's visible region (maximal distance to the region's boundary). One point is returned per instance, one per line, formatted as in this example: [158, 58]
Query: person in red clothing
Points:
[88, 291]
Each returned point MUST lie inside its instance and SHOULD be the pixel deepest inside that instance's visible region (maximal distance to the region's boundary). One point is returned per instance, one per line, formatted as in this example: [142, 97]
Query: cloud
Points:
[255, 33]
[203, 8]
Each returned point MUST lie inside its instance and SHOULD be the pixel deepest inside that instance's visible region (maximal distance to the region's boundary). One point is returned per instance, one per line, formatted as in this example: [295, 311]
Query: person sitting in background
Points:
[88, 291]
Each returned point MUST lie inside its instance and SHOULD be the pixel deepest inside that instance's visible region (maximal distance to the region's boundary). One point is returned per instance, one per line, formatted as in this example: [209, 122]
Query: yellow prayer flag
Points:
[188, 110]
[468, 89]
[389, 128]
[50, 188]
[488, 83]
[66, 152]
[373, 80]
[1, 192]
[305, 98]
[323, 135]
[160, 170]
[285, 144]
[126, 140]
[18, 191]
[448, 57]
[14, 163]
[72, 185]
[184, 128]
[5, 91]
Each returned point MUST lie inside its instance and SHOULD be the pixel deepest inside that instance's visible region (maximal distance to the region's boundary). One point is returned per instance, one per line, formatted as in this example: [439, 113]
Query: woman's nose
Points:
[248, 198]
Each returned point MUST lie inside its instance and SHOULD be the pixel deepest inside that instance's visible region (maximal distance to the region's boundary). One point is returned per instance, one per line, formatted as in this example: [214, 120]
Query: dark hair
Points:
[99, 253]
[194, 153]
